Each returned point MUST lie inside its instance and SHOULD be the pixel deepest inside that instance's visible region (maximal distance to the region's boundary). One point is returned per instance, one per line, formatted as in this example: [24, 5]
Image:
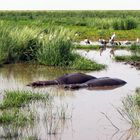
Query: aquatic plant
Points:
[127, 58]
[16, 99]
[82, 63]
[89, 47]
[55, 116]
[130, 111]
[16, 117]
[138, 96]
[55, 48]
[135, 47]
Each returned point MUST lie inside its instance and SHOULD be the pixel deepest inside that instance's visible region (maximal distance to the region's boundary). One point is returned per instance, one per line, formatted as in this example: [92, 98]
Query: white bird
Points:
[113, 37]
[137, 40]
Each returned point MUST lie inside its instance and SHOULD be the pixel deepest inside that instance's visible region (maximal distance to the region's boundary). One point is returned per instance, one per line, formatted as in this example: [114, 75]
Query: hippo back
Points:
[75, 78]
[105, 81]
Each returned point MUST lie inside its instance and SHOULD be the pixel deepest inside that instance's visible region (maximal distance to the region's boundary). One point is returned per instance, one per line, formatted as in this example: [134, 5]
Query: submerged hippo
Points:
[75, 78]
[100, 83]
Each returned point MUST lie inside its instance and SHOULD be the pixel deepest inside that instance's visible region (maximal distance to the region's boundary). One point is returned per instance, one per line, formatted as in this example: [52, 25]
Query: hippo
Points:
[75, 78]
[99, 83]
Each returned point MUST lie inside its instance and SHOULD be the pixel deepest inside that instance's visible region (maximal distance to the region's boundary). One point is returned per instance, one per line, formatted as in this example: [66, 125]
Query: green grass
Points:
[89, 47]
[138, 96]
[125, 24]
[55, 48]
[127, 58]
[90, 24]
[16, 99]
[12, 107]
[30, 35]
[130, 110]
[81, 63]
[51, 47]
[135, 47]
[17, 44]
[16, 117]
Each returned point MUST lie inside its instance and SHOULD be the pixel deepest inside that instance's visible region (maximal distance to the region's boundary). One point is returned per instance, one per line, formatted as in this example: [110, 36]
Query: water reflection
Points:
[51, 120]
[112, 51]
[20, 75]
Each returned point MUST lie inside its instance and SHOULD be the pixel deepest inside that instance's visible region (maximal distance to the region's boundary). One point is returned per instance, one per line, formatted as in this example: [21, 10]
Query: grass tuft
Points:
[127, 58]
[16, 99]
[16, 117]
[82, 63]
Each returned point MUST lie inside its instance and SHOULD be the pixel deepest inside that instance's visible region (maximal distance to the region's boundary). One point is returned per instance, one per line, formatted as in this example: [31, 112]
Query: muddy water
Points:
[87, 121]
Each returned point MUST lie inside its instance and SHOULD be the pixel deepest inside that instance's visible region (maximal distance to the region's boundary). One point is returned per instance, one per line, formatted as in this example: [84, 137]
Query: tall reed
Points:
[55, 48]
[17, 44]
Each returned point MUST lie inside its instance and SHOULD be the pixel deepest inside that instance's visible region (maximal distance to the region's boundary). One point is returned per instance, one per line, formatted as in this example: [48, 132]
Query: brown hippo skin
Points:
[100, 83]
[75, 78]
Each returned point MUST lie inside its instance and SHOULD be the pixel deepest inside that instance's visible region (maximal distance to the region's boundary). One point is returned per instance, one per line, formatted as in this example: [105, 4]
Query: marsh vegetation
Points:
[130, 112]
[51, 47]
[37, 36]
[133, 59]
[46, 39]
[18, 110]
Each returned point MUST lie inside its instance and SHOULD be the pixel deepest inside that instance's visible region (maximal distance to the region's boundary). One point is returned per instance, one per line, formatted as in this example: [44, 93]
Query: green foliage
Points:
[138, 96]
[130, 111]
[127, 58]
[52, 47]
[89, 47]
[55, 48]
[12, 108]
[60, 14]
[135, 47]
[23, 38]
[16, 99]
[124, 24]
[82, 63]
[17, 44]
[16, 117]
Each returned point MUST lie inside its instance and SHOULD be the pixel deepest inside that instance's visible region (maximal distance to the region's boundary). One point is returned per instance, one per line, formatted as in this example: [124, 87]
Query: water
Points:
[88, 106]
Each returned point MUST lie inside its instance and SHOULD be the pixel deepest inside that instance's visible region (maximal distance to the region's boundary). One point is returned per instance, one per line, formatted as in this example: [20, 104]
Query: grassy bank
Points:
[51, 47]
